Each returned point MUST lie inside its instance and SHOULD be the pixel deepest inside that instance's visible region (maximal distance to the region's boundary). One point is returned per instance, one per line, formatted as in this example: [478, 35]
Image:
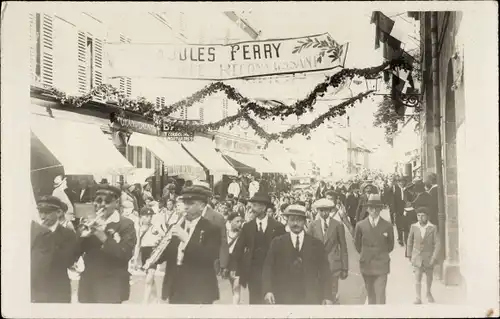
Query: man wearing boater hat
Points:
[332, 234]
[54, 249]
[251, 249]
[296, 269]
[190, 277]
[374, 240]
[107, 247]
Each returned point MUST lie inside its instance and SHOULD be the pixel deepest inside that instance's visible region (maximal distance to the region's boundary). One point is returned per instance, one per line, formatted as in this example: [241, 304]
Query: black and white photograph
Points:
[251, 155]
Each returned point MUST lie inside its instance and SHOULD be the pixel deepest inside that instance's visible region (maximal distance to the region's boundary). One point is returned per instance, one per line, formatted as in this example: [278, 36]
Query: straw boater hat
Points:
[374, 201]
[323, 204]
[296, 210]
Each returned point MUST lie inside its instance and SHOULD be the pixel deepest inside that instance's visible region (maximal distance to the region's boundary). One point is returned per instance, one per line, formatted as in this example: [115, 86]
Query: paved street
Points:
[400, 288]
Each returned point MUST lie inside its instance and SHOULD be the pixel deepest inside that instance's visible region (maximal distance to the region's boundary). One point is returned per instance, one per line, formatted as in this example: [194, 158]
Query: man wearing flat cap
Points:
[107, 247]
[374, 240]
[54, 249]
[190, 277]
[296, 269]
[251, 249]
[332, 234]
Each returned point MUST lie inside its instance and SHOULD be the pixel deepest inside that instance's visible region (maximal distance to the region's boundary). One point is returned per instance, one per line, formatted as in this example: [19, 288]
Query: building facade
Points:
[452, 125]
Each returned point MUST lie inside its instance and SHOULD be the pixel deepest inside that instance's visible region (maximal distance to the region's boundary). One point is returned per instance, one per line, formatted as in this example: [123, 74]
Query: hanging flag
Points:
[390, 33]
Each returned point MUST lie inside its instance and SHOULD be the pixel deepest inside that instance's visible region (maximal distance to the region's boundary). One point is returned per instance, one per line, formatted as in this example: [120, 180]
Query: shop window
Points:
[139, 157]
[130, 154]
[148, 158]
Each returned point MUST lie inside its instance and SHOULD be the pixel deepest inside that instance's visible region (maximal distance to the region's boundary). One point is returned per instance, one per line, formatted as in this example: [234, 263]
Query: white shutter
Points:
[125, 82]
[202, 114]
[97, 66]
[82, 62]
[47, 50]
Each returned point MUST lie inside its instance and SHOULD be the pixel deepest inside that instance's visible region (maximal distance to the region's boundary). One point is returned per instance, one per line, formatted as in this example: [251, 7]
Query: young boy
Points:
[235, 222]
[422, 249]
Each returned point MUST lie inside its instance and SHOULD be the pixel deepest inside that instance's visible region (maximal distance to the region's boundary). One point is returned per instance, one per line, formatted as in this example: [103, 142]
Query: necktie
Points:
[325, 227]
[260, 226]
[297, 244]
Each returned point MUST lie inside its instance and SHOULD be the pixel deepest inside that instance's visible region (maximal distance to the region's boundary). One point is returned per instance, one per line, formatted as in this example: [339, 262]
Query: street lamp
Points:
[406, 99]
[372, 83]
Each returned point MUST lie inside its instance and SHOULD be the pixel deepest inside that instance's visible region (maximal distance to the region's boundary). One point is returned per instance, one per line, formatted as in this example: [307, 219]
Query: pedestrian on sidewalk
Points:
[374, 240]
[422, 250]
[235, 223]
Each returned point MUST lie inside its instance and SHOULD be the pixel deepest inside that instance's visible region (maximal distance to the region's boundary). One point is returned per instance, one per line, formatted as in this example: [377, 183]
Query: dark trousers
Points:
[375, 288]
[255, 287]
[402, 227]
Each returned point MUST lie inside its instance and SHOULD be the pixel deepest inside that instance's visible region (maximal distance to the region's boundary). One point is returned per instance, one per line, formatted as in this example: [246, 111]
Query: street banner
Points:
[224, 62]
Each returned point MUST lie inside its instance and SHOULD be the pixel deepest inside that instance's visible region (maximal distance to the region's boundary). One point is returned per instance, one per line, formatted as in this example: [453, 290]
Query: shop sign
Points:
[224, 62]
[167, 130]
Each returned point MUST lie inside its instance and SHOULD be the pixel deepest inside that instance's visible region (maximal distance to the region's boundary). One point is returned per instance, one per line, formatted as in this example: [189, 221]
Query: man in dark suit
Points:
[296, 269]
[218, 221]
[190, 276]
[366, 190]
[84, 194]
[430, 182]
[396, 207]
[351, 204]
[332, 234]
[53, 251]
[374, 240]
[108, 247]
[251, 249]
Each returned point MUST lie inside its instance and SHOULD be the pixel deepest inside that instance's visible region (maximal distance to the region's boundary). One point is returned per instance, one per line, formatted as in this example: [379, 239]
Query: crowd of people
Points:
[286, 247]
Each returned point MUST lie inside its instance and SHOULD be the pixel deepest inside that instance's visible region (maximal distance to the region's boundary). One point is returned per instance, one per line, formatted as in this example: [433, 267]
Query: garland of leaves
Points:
[151, 110]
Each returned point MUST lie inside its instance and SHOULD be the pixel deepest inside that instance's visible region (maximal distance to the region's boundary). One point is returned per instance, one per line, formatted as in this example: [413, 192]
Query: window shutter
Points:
[224, 107]
[82, 59]
[97, 61]
[202, 114]
[125, 82]
[47, 50]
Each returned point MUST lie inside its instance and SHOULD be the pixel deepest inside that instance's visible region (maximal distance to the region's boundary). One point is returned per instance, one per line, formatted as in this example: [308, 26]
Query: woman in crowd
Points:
[129, 207]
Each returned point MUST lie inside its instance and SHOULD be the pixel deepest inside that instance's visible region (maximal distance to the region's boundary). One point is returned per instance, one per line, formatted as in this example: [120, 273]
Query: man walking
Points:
[296, 270]
[374, 240]
[253, 245]
[332, 234]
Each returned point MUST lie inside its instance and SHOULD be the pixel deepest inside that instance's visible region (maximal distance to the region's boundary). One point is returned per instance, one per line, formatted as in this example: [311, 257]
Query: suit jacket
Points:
[52, 253]
[374, 245]
[218, 220]
[334, 243]
[86, 198]
[361, 212]
[106, 264]
[396, 203]
[195, 281]
[423, 252]
[244, 249]
[351, 204]
[279, 277]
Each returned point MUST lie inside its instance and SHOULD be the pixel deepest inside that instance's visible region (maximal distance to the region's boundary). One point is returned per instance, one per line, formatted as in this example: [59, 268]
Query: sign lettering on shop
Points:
[225, 62]
[166, 130]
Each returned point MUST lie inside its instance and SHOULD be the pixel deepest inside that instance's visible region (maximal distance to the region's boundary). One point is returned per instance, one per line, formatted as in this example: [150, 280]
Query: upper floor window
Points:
[90, 62]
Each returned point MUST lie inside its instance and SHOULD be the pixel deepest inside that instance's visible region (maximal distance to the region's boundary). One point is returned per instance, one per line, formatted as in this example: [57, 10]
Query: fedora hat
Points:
[262, 198]
[59, 180]
[296, 210]
[374, 200]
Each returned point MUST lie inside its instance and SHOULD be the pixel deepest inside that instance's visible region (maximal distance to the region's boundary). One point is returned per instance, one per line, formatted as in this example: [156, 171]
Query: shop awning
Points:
[176, 160]
[205, 153]
[254, 161]
[139, 175]
[81, 148]
[280, 159]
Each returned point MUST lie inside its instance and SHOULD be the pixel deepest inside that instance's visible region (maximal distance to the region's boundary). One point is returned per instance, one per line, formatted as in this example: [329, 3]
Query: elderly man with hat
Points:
[374, 240]
[107, 245]
[332, 234]
[54, 249]
[250, 251]
[296, 269]
[190, 277]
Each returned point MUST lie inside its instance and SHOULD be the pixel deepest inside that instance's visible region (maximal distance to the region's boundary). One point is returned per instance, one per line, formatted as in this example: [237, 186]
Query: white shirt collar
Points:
[114, 218]
[192, 224]
[374, 221]
[294, 236]
[263, 222]
[54, 227]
